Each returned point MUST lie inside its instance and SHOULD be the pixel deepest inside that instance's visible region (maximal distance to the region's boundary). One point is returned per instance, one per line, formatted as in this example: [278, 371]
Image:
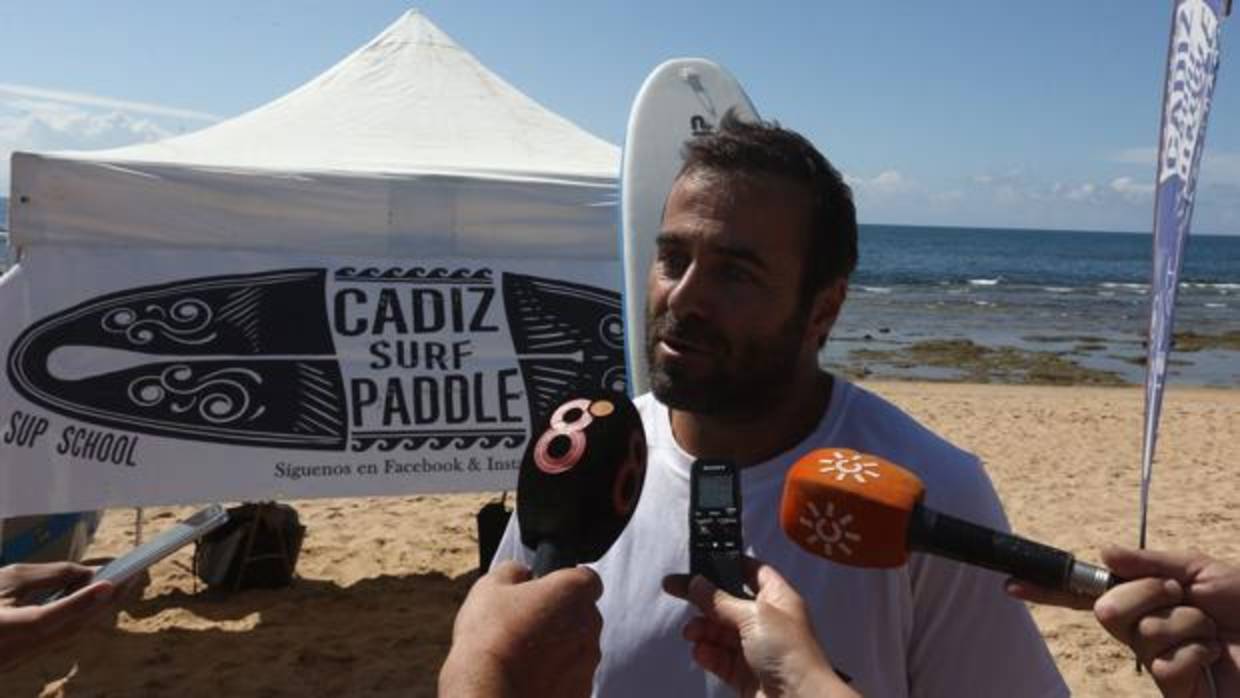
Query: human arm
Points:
[764, 647]
[27, 628]
[518, 638]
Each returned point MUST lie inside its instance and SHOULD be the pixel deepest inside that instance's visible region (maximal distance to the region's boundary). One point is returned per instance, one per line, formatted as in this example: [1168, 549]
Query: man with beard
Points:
[757, 241]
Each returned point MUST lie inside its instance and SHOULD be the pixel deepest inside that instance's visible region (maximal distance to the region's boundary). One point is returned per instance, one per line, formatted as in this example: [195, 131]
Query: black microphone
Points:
[580, 479]
[864, 511]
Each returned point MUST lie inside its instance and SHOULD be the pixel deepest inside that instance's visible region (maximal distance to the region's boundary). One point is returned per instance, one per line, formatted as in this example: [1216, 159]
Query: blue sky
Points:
[1009, 114]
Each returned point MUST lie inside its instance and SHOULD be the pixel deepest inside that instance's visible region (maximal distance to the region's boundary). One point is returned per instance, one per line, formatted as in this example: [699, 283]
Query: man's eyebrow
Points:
[670, 238]
[744, 254]
[667, 239]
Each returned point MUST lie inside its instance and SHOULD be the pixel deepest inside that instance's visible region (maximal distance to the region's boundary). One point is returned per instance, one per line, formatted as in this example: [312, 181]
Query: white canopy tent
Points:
[374, 284]
[409, 146]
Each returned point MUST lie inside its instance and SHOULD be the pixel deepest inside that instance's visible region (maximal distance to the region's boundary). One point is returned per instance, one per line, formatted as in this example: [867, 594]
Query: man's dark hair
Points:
[766, 149]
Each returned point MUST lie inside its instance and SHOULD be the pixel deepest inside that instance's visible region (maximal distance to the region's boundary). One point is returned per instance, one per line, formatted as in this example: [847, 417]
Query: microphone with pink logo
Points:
[580, 479]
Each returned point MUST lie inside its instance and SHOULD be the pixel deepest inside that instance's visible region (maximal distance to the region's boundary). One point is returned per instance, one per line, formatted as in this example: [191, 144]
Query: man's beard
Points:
[747, 376]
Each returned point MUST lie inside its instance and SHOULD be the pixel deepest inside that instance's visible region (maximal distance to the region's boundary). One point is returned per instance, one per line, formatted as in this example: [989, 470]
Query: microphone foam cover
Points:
[850, 507]
[582, 474]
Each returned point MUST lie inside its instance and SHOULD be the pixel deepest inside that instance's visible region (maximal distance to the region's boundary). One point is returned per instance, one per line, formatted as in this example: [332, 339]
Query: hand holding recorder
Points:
[765, 646]
[44, 603]
[26, 627]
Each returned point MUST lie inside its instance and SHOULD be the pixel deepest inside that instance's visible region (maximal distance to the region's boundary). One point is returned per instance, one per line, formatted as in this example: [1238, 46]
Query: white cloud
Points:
[37, 119]
[1217, 166]
[1128, 188]
[885, 183]
[89, 100]
[1083, 192]
[1015, 191]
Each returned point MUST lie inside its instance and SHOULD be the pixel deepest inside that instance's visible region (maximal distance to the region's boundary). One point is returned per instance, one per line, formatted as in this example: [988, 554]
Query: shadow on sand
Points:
[385, 635]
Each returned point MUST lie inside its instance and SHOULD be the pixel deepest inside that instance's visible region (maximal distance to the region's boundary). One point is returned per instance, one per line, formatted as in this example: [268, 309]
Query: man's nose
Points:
[691, 295]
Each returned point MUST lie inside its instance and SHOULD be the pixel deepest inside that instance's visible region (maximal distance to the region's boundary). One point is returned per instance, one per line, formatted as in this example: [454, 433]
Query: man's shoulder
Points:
[650, 410]
[646, 401]
[954, 477]
[894, 433]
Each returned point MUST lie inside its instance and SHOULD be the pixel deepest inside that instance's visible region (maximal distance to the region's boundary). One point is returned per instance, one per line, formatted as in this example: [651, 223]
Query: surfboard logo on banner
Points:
[327, 359]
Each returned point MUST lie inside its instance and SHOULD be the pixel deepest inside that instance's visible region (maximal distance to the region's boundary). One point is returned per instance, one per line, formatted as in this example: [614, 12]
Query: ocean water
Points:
[1082, 294]
[1037, 290]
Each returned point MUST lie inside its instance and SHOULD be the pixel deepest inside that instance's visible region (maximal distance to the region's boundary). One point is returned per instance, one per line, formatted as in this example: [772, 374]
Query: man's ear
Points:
[828, 301]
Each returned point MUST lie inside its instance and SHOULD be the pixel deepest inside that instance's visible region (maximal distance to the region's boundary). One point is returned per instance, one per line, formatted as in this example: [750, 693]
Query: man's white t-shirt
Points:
[933, 628]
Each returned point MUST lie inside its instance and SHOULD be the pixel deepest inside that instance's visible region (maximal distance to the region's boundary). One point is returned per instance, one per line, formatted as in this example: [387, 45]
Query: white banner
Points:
[130, 381]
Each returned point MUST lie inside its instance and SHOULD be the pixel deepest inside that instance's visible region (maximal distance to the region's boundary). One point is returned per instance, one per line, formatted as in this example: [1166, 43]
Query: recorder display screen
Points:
[715, 492]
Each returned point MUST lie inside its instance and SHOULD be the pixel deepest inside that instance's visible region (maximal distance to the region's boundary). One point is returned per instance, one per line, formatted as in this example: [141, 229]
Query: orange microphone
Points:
[863, 511]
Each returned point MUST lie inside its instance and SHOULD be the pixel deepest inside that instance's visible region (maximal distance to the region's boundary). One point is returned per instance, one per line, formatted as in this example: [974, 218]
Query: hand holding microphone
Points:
[517, 637]
[1180, 614]
[864, 511]
[524, 632]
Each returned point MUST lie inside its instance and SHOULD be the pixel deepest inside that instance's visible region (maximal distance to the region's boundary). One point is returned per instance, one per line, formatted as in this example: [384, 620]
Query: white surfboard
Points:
[682, 98]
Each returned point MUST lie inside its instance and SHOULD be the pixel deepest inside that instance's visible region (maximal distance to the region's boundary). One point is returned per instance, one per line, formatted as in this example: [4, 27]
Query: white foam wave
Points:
[874, 289]
[1224, 287]
[1057, 289]
[983, 282]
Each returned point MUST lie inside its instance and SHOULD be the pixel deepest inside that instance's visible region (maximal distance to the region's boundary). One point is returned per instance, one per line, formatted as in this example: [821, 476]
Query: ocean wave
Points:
[1224, 287]
[1125, 286]
[1216, 305]
[1057, 289]
[984, 282]
[874, 289]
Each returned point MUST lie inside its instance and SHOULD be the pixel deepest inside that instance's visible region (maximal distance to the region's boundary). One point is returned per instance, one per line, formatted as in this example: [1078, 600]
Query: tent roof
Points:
[407, 147]
[409, 101]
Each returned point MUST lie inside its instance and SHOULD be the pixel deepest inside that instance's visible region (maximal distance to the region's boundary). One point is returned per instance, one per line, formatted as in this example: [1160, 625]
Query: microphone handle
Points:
[550, 556]
[1050, 568]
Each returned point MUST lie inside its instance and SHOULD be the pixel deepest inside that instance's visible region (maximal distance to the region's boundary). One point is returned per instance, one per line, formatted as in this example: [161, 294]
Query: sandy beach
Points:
[381, 578]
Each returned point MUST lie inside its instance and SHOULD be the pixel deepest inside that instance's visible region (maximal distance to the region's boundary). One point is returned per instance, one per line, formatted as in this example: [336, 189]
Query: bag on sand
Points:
[492, 520]
[256, 549]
